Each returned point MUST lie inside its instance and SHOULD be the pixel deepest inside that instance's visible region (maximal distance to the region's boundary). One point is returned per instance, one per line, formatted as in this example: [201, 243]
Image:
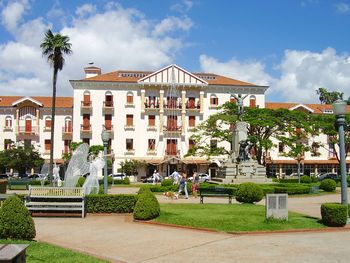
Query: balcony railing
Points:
[47, 128]
[108, 104]
[172, 104]
[108, 128]
[85, 127]
[172, 152]
[192, 105]
[130, 151]
[86, 104]
[152, 105]
[172, 129]
[151, 152]
[27, 130]
[8, 128]
[67, 130]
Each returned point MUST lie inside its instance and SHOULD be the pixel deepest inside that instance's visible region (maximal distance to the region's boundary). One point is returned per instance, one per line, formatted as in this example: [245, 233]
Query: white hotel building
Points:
[150, 117]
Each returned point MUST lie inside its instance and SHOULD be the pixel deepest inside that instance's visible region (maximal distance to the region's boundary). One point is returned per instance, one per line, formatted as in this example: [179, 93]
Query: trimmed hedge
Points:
[249, 193]
[15, 220]
[292, 189]
[328, 185]
[285, 181]
[147, 207]
[334, 214]
[126, 180]
[3, 186]
[38, 182]
[305, 179]
[101, 203]
[167, 182]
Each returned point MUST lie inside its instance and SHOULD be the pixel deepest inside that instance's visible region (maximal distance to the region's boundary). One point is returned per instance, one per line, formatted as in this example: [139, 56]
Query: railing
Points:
[108, 104]
[172, 152]
[8, 128]
[172, 128]
[86, 104]
[192, 105]
[172, 104]
[67, 129]
[152, 105]
[47, 128]
[108, 128]
[27, 130]
[85, 127]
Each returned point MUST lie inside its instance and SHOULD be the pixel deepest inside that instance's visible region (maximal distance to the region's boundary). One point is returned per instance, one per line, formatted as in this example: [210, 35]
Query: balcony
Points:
[152, 105]
[192, 105]
[86, 106]
[172, 105]
[47, 129]
[129, 127]
[109, 128]
[27, 130]
[130, 152]
[85, 128]
[151, 152]
[108, 106]
[172, 129]
[172, 152]
[151, 128]
[8, 128]
[67, 132]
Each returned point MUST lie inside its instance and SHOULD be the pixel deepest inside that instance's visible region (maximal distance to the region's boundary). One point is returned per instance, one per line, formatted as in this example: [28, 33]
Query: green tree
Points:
[130, 167]
[328, 97]
[21, 158]
[54, 47]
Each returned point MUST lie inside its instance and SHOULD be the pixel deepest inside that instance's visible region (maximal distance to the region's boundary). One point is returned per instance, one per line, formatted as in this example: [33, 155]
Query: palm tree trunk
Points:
[53, 113]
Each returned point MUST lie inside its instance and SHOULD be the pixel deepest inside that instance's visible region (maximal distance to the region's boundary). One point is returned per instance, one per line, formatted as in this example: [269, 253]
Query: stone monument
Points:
[240, 167]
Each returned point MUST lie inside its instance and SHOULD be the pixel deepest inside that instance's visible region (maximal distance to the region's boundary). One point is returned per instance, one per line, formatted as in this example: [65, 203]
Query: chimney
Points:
[92, 71]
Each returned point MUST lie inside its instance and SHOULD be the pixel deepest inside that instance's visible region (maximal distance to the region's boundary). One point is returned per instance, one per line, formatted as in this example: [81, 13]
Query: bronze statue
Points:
[239, 100]
[244, 149]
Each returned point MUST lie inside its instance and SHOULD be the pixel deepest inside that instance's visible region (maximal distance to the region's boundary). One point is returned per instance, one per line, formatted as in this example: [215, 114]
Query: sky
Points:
[293, 46]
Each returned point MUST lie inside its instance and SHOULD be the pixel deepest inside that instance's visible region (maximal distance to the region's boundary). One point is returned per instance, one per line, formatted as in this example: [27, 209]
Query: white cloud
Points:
[302, 72]
[12, 14]
[172, 23]
[249, 71]
[116, 38]
[342, 8]
[85, 9]
[183, 6]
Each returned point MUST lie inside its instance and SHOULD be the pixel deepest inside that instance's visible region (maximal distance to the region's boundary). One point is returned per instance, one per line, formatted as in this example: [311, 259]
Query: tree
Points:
[129, 167]
[327, 97]
[21, 158]
[94, 150]
[54, 46]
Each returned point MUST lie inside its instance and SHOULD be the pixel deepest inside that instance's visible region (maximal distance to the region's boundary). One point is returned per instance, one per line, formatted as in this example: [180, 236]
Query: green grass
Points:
[44, 252]
[231, 218]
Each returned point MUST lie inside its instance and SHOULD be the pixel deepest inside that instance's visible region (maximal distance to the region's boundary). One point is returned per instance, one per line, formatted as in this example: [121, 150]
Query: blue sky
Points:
[294, 47]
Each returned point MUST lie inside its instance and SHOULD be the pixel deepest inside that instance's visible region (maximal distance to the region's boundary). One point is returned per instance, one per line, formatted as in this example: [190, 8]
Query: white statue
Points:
[56, 175]
[44, 173]
[91, 184]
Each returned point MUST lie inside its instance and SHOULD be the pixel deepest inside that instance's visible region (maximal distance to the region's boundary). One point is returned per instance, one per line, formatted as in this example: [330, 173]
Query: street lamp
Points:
[105, 138]
[339, 110]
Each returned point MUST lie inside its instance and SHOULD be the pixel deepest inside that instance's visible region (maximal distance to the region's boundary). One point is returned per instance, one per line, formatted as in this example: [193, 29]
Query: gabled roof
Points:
[302, 106]
[172, 74]
[61, 102]
[316, 108]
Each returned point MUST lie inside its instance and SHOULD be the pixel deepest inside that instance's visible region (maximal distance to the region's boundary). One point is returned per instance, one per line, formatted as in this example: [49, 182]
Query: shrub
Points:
[147, 207]
[3, 185]
[334, 214]
[305, 179]
[15, 220]
[167, 182]
[313, 179]
[328, 185]
[144, 189]
[126, 180]
[292, 189]
[38, 182]
[101, 203]
[249, 193]
[81, 181]
[285, 181]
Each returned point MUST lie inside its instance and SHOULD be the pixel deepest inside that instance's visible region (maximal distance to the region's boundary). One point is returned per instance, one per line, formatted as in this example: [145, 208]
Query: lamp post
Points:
[339, 110]
[105, 138]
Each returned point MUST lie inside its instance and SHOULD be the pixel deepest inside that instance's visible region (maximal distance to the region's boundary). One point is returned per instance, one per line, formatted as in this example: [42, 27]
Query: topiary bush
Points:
[328, 185]
[305, 179]
[167, 182]
[147, 207]
[15, 220]
[144, 189]
[3, 186]
[102, 203]
[249, 193]
[334, 214]
[313, 179]
[126, 180]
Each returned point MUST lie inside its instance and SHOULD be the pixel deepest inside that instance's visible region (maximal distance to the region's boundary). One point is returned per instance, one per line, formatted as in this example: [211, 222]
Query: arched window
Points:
[48, 123]
[68, 124]
[233, 99]
[28, 124]
[8, 122]
[129, 98]
[108, 99]
[87, 99]
[214, 101]
[252, 101]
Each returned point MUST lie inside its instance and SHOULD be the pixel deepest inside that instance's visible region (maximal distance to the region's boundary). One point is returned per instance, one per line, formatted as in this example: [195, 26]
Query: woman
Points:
[195, 184]
[183, 185]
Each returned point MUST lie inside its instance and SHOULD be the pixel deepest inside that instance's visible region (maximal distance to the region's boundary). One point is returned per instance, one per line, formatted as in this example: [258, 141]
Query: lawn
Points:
[230, 218]
[44, 252]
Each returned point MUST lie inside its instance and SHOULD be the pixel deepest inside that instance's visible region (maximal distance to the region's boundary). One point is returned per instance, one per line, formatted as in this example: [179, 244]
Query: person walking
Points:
[183, 185]
[195, 184]
[155, 177]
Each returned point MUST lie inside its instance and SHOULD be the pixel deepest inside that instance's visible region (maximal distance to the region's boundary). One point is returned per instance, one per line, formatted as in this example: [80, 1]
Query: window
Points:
[213, 144]
[7, 144]
[108, 99]
[214, 101]
[190, 144]
[66, 146]
[252, 101]
[68, 124]
[151, 120]
[151, 144]
[86, 140]
[47, 145]
[129, 144]
[191, 121]
[280, 147]
[130, 98]
[48, 123]
[8, 122]
[86, 121]
[86, 100]
[129, 120]
[191, 103]
[108, 122]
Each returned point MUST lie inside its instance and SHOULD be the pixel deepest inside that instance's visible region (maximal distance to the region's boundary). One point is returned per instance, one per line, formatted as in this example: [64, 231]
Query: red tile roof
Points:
[61, 102]
[317, 108]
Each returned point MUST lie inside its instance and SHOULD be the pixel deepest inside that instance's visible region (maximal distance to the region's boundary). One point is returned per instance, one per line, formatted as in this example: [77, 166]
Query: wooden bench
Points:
[18, 182]
[55, 199]
[216, 191]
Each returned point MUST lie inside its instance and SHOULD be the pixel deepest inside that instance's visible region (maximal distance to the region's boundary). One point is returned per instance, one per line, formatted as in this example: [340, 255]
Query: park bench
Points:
[217, 191]
[18, 182]
[51, 200]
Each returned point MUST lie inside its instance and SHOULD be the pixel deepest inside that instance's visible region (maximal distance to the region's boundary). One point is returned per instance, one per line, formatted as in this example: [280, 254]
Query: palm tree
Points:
[54, 47]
